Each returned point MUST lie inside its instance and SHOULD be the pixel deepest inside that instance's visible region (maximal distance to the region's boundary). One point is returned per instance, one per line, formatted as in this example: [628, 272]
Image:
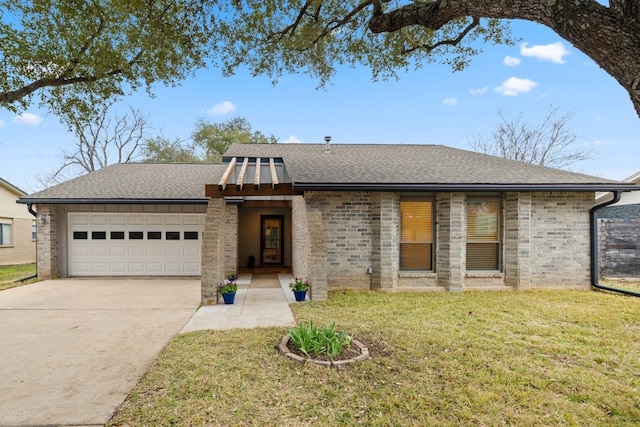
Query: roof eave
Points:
[106, 201]
[462, 187]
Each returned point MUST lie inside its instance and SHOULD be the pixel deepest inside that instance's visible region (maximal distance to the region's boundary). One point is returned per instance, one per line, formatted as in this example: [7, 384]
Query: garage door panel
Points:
[153, 220]
[100, 251]
[135, 219]
[172, 220]
[117, 220]
[191, 251]
[136, 251]
[154, 251]
[117, 251]
[119, 244]
[173, 251]
[99, 220]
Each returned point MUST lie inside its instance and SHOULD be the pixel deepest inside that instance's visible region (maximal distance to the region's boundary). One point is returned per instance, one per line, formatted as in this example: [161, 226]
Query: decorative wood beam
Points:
[256, 178]
[284, 189]
[227, 174]
[243, 171]
[274, 175]
[266, 204]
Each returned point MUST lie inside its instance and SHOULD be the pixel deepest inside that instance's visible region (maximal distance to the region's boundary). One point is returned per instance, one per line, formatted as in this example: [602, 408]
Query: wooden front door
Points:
[272, 239]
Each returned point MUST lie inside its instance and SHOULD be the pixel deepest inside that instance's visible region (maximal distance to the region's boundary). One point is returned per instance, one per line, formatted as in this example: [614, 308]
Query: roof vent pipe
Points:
[327, 140]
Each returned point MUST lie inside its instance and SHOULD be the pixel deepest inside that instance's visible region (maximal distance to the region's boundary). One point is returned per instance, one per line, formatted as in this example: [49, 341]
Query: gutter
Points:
[595, 259]
[106, 201]
[35, 215]
[474, 187]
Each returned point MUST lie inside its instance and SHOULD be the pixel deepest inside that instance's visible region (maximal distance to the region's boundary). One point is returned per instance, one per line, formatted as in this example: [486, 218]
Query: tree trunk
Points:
[610, 36]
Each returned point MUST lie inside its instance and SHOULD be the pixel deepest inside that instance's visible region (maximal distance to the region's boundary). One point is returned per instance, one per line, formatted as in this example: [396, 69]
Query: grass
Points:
[9, 274]
[447, 359]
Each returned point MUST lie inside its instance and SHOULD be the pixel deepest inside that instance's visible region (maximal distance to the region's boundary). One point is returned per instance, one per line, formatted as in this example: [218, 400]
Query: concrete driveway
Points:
[72, 349]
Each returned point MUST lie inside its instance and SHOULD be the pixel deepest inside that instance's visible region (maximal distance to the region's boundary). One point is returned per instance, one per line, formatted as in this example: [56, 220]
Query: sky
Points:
[432, 105]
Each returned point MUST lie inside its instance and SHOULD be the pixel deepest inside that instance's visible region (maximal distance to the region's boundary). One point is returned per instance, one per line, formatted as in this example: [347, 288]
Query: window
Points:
[98, 235]
[416, 234]
[117, 235]
[154, 235]
[34, 231]
[80, 235]
[172, 235]
[136, 235]
[190, 235]
[5, 233]
[483, 241]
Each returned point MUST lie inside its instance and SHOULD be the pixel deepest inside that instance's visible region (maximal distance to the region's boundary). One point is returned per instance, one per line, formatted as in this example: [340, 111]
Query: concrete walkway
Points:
[262, 300]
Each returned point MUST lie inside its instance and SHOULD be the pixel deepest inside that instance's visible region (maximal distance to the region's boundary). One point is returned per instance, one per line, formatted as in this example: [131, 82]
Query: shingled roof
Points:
[406, 167]
[346, 167]
[139, 182]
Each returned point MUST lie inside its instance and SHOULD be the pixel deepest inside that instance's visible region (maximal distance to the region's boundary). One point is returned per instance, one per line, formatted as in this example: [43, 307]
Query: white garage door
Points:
[128, 244]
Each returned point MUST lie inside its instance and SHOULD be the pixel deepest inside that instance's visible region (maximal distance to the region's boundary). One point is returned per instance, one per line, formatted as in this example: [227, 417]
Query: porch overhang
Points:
[253, 176]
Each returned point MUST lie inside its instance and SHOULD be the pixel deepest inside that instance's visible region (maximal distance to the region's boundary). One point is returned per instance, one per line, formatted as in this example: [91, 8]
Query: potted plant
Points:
[300, 287]
[228, 289]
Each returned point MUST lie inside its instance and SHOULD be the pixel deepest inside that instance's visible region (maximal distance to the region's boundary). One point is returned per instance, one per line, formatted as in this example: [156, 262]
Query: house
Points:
[384, 217]
[619, 233]
[17, 227]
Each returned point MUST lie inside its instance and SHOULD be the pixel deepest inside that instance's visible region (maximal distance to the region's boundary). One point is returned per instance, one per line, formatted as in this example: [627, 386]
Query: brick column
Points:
[385, 271]
[517, 240]
[300, 237]
[230, 233]
[451, 240]
[47, 247]
[317, 253]
[213, 251]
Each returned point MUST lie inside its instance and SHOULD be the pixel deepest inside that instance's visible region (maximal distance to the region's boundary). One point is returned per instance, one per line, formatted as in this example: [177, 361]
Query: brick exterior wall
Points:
[545, 242]
[346, 218]
[22, 249]
[560, 240]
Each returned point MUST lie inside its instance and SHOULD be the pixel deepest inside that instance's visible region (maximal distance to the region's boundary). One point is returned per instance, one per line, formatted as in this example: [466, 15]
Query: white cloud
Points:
[479, 91]
[291, 140]
[554, 52]
[2, 124]
[511, 61]
[514, 86]
[450, 102]
[28, 119]
[222, 109]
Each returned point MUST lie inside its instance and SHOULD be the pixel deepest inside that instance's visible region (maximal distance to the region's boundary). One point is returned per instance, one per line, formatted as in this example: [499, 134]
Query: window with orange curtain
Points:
[416, 234]
[483, 234]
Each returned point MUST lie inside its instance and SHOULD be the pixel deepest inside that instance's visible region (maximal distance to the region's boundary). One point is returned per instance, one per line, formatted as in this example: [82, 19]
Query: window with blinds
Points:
[416, 234]
[483, 236]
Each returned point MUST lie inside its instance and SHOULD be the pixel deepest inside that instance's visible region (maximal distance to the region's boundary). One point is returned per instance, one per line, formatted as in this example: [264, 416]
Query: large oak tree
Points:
[316, 35]
[72, 53]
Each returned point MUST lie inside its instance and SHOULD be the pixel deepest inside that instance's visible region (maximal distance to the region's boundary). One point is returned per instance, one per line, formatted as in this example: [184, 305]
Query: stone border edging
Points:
[364, 354]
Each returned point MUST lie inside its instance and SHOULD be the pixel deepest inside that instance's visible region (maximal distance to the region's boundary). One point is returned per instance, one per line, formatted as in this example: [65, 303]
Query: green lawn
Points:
[10, 273]
[439, 359]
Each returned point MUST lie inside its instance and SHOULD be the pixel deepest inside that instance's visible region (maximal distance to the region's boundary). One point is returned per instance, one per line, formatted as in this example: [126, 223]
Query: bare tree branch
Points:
[550, 143]
[103, 139]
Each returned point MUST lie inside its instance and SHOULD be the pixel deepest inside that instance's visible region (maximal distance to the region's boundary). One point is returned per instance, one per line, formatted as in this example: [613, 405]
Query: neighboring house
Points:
[17, 227]
[619, 233]
[386, 217]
